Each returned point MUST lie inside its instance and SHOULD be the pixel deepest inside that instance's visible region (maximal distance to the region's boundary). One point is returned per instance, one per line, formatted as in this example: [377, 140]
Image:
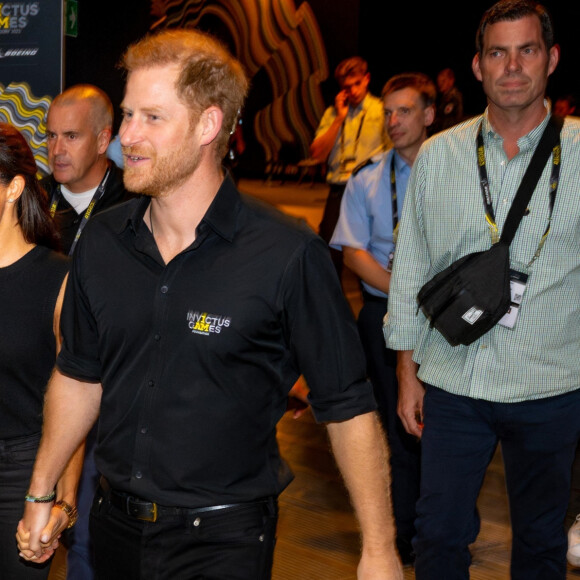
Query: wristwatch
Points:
[70, 511]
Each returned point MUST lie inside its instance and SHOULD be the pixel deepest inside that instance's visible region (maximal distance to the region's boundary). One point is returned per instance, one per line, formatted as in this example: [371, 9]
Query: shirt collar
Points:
[529, 141]
[221, 215]
[400, 163]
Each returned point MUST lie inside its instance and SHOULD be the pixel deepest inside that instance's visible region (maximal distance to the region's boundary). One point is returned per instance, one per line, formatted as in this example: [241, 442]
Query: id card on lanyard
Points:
[518, 280]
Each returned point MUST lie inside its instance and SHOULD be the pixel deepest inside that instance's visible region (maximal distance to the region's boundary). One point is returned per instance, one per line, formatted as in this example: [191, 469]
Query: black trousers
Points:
[235, 543]
[16, 461]
[405, 449]
[328, 223]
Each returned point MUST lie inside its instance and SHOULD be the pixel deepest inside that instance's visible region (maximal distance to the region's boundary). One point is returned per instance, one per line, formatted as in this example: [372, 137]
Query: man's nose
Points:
[513, 62]
[57, 146]
[128, 132]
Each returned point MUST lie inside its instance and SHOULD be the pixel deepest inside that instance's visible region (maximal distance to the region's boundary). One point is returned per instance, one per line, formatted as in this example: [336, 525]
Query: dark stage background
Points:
[392, 36]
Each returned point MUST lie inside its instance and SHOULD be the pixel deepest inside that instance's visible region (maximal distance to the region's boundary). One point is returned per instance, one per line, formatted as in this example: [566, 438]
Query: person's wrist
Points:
[70, 510]
[46, 498]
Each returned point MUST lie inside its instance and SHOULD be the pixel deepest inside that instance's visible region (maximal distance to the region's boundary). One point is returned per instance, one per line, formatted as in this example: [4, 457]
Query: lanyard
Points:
[486, 194]
[395, 211]
[342, 158]
[56, 196]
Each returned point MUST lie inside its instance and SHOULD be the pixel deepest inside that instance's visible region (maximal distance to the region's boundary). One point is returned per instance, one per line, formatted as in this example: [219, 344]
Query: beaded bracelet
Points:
[40, 499]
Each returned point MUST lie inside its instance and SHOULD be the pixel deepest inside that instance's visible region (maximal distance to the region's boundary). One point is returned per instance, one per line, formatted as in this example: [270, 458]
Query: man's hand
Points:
[384, 567]
[341, 105]
[411, 394]
[39, 530]
[322, 145]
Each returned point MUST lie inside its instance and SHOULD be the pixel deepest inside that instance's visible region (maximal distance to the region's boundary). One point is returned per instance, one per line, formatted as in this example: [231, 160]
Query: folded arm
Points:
[364, 265]
[325, 140]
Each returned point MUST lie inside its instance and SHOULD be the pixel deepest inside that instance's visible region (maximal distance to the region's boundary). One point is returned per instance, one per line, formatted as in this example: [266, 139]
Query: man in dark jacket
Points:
[83, 181]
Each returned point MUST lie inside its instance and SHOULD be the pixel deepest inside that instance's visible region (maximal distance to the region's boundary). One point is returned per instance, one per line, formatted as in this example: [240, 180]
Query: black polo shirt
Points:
[196, 357]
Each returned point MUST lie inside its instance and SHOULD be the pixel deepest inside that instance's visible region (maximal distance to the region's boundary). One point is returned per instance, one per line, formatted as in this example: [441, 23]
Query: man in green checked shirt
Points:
[517, 385]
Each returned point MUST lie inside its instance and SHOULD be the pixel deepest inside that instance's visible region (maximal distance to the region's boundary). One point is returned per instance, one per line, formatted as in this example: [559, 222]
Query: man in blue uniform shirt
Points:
[366, 233]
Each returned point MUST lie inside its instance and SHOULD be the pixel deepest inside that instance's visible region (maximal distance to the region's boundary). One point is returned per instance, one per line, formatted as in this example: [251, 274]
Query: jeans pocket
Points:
[244, 524]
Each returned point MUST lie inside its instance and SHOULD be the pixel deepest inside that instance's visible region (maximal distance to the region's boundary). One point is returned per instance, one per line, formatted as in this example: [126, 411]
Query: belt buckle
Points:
[152, 513]
[153, 517]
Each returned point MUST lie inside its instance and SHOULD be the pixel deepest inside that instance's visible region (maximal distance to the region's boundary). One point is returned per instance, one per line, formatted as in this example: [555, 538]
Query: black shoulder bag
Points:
[468, 298]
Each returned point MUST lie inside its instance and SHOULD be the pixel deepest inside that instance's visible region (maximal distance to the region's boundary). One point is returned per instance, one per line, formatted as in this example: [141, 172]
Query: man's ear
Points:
[476, 68]
[211, 124]
[103, 140]
[553, 58]
[429, 115]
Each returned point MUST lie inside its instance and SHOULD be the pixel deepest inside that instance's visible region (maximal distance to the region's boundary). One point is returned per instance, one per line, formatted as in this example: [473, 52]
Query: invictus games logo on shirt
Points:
[205, 323]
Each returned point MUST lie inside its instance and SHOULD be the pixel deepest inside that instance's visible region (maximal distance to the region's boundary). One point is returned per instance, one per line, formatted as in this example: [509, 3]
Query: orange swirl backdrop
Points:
[283, 41]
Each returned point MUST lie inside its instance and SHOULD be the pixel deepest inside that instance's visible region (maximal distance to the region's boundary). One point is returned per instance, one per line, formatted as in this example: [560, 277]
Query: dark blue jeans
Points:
[233, 544]
[538, 439]
[16, 461]
[574, 505]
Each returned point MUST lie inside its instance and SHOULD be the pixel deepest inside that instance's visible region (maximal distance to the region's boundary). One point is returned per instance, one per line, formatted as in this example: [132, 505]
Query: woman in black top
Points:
[32, 277]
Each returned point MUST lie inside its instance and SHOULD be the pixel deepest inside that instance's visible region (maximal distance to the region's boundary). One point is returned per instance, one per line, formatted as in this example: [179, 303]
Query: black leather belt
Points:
[149, 511]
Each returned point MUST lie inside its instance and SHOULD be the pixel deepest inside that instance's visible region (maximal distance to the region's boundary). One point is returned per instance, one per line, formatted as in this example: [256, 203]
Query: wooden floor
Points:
[317, 533]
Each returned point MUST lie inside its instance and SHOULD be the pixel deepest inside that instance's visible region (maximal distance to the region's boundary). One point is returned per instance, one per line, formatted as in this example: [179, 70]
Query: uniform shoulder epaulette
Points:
[370, 161]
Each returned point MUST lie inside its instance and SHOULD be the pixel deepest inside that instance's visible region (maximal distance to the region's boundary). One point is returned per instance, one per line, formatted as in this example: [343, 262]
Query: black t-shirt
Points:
[28, 292]
[196, 357]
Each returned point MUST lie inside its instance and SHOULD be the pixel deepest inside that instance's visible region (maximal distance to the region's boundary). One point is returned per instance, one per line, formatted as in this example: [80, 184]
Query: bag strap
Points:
[550, 138]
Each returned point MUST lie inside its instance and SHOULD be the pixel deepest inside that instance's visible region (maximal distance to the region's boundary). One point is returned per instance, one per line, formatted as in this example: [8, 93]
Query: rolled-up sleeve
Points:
[352, 229]
[322, 336]
[78, 357]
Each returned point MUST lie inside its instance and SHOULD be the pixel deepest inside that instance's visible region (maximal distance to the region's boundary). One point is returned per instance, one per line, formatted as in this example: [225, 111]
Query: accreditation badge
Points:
[518, 283]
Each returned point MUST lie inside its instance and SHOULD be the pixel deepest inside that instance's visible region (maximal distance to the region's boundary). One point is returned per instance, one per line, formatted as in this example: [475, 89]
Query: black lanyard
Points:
[395, 211]
[486, 194]
[56, 196]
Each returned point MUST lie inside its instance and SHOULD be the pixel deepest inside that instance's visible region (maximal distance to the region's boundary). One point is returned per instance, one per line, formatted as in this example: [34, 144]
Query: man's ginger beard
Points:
[163, 173]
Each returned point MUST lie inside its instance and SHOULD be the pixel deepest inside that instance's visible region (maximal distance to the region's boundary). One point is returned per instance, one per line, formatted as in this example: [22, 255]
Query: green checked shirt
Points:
[443, 219]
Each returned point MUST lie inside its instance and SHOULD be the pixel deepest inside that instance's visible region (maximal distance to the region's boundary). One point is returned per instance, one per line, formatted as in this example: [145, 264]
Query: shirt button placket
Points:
[164, 289]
